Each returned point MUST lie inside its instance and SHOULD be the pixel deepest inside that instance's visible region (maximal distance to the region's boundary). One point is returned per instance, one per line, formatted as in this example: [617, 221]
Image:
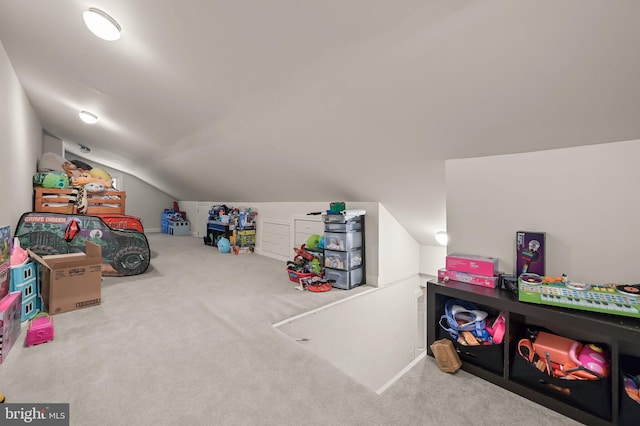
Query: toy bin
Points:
[179, 228]
[343, 260]
[490, 357]
[342, 241]
[246, 237]
[345, 280]
[593, 396]
[295, 276]
[341, 225]
[629, 407]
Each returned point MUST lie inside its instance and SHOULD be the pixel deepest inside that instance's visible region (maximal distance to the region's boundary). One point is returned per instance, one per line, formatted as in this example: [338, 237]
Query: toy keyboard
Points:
[609, 299]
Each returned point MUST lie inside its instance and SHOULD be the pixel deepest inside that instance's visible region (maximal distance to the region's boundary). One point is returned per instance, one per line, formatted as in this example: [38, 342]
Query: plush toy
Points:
[94, 188]
[70, 169]
[86, 178]
[81, 165]
[53, 179]
[50, 161]
[100, 174]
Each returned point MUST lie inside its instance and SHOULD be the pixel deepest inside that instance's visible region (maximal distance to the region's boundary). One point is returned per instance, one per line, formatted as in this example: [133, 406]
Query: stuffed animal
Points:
[50, 161]
[71, 169]
[86, 178]
[94, 188]
[100, 174]
[53, 179]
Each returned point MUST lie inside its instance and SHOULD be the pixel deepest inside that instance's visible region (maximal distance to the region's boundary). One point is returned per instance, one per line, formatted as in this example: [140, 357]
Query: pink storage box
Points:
[478, 265]
[480, 280]
[10, 321]
[40, 329]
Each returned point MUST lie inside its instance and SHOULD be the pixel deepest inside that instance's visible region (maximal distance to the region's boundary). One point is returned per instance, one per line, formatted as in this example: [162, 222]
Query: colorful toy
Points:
[94, 188]
[19, 256]
[593, 358]
[100, 174]
[55, 180]
[40, 329]
[224, 245]
[86, 178]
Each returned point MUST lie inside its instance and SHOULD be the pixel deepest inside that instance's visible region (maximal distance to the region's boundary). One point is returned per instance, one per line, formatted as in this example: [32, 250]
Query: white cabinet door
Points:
[275, 239]
[306, 226]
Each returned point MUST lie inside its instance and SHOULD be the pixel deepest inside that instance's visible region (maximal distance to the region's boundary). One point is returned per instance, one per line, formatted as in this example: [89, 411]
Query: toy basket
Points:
[295, 276]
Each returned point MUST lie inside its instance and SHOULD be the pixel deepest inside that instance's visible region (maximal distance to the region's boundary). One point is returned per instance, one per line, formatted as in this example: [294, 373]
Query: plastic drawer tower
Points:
[344, 250]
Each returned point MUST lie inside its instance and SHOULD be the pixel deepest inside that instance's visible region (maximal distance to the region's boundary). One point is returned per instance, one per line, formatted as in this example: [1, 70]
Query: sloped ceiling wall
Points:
[333, 100]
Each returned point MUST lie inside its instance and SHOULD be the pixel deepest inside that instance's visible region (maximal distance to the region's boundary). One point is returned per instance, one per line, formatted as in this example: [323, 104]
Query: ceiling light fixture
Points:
[88, 117]
[101, 24]
[442, 238]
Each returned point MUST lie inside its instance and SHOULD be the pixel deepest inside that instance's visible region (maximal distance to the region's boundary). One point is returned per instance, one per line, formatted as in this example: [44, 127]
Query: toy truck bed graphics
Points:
[124, 252]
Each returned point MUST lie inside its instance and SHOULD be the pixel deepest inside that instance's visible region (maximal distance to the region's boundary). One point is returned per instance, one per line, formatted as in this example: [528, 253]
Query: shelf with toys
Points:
[581, 364]
[237, 225]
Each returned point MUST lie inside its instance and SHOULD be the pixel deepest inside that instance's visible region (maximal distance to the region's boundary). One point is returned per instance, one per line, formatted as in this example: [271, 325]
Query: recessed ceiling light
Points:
[88, 117]
[101, 24]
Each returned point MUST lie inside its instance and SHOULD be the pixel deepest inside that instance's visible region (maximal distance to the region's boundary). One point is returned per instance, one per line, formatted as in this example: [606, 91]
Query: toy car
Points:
[124, 252]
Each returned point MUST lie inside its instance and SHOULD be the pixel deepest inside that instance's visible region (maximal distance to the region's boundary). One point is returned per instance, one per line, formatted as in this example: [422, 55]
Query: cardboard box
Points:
[10, 314]
[70, 281]
[471, 264]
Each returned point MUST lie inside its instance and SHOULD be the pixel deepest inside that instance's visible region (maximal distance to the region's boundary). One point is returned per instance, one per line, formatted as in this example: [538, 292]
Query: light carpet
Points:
[191, 342]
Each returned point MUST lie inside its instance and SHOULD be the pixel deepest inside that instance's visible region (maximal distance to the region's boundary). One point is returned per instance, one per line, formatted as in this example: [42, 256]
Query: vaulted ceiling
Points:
[354, 100]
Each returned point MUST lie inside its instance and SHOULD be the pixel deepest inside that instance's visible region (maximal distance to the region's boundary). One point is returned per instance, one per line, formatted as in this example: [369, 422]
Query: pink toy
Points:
[19, 256]
[593, 357]
[40, 329]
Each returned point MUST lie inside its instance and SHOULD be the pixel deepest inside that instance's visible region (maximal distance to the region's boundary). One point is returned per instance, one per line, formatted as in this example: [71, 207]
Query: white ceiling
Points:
[327, 100]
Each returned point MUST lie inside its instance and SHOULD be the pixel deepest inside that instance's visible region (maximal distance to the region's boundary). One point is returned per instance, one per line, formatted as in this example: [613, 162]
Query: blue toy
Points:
[224, 245]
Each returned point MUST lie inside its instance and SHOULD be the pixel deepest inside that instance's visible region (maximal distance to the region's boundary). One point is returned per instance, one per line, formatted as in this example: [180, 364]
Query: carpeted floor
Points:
[191, 342]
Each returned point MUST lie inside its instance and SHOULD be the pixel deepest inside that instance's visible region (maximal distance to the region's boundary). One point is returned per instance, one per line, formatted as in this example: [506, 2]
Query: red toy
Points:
[40, 329]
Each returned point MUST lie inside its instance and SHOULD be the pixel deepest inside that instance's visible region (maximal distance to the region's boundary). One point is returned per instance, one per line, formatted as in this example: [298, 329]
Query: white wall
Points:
[586, 199]
[432, 258]
[380, 338]
[399, 253]
[21, 136]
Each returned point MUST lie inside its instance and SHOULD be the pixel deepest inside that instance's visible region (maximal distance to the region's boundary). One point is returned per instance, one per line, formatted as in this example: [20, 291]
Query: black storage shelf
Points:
[620, 334]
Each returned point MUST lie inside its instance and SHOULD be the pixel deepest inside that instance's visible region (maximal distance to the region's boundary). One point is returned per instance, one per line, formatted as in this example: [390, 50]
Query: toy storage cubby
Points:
[592, 402]
[490, 357]
[344, 259]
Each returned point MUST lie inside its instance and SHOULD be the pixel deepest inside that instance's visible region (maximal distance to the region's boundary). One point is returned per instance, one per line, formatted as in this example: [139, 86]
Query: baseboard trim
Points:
[402, 372]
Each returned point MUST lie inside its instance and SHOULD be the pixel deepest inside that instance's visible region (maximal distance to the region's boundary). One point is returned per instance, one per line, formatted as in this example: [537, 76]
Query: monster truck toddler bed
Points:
[124, 252]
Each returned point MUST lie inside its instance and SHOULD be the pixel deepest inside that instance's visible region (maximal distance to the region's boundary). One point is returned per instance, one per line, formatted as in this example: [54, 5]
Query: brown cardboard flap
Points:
[94, 252]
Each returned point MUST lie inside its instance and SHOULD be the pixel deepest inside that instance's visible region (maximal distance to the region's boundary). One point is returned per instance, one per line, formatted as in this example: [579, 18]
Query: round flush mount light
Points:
[442, 238]
[101, 24]
[88, 117]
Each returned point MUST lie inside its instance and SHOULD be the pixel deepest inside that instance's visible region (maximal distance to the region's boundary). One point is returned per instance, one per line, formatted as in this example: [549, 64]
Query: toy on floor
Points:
[315, 284]
[40, 329]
